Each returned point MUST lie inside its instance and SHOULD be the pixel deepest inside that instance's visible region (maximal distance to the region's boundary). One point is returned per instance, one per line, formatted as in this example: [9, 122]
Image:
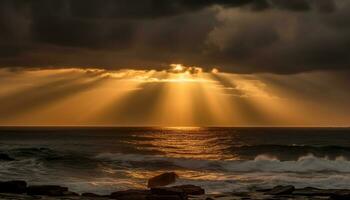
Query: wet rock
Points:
[5, 157]
[167, 191]
[215, 196]
[241, 194]
[8, 196]
[281, 190]
[262, 190]
[341, 195]
[49, 190]
[162, 179]
[310, 191]
[191, 189]
[165, 197]
[16, 187]
[159, 193]
[70, 193]
[130, 195]
[89, 194]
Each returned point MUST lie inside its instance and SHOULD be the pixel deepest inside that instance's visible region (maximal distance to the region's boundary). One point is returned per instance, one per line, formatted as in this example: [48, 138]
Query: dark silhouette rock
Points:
[162, 179]
[310, 191]
[281, 190]
[341, 195]
[89, 194]
[17, 187]
[130, 195]
[168, 191]
[159, 193]
[241, 194]
[191, 189]
[70, 193]
[165, 197]
[49, 190]
[263, 190]
[5, 157]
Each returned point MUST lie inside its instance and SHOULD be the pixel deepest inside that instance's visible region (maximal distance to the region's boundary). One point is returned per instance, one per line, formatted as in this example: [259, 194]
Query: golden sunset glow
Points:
[177, 67]
[180, 96]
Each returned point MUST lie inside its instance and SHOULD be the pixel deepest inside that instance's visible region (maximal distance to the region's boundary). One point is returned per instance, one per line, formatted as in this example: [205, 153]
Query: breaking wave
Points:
[261, 163]
[290, 152]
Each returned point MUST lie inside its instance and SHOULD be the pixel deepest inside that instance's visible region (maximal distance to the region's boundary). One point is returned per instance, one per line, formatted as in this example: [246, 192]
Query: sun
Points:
[179, 73]
[178, 68]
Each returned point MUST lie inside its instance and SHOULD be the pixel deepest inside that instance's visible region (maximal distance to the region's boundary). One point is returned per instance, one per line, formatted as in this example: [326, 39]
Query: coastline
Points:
[19, 190]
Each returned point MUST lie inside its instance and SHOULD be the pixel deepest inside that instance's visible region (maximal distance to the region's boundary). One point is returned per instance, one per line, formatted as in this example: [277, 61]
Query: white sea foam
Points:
[261, 163]
[21, 169]
[307, 163]
[264, 171]
[213, 175]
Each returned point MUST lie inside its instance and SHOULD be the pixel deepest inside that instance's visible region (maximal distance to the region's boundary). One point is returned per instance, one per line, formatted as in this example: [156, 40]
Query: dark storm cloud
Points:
[283, 42]
[127, 8]
[82, 33]
[280, 36]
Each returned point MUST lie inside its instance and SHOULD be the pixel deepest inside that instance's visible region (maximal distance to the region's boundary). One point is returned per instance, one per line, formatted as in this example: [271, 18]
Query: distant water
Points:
[102, 160]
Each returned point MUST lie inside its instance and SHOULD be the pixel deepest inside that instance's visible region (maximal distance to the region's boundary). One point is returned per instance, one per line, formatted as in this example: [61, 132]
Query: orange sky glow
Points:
[178, 96]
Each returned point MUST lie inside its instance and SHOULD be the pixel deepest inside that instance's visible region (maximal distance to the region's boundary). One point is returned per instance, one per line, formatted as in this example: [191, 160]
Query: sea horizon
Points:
[172, 127]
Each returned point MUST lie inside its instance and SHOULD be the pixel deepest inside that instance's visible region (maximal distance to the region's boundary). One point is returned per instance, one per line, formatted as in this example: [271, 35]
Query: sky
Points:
[175, 62]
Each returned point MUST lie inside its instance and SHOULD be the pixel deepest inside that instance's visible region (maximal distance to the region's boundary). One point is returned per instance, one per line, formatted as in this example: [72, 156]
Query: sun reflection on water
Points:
[185, 143]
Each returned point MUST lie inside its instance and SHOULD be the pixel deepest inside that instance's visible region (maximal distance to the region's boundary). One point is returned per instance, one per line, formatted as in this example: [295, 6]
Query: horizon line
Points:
[162, 127]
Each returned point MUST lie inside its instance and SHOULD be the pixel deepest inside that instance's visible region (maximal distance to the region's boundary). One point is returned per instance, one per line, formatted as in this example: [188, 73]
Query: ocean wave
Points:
[261, 163]
[290, 152]
[31, 152]
[51, 159]
[21, 169]
[308, 163]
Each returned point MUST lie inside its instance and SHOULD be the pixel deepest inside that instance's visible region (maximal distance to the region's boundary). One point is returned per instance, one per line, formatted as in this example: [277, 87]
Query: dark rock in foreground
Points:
[130, 195]
[162, 180]
[166, 197]
[49, 190]
[341, 195]
[191, 189]
[167, 190]
[17, 187]
[310, 191]
[15, 190]
[69, 193]
[5, 157]
[92, 195]
[159, 193]
[281, 190]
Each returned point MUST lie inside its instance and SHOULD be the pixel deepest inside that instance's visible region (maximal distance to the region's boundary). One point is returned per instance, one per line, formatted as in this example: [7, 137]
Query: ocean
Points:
[102, 160]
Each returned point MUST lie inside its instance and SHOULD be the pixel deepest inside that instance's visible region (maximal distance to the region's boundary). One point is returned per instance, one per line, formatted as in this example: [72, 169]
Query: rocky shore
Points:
[157, 190]
[18, 190]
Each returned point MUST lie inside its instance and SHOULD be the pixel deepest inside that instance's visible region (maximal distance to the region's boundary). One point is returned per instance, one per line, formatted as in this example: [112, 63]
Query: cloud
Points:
[281, 42]
[247, 36]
